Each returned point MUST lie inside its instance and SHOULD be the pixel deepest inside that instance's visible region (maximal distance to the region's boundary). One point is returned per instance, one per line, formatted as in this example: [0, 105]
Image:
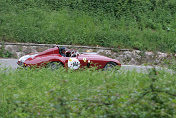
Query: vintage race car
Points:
[56, 57]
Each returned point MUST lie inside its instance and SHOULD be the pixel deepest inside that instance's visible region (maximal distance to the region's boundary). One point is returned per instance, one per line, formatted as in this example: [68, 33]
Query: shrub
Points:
[124, 23]
[86, 93]
[4, 53]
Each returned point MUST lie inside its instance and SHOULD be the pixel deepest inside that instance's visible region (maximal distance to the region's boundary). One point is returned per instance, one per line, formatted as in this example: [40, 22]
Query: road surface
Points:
[12, 63]
[9, 63]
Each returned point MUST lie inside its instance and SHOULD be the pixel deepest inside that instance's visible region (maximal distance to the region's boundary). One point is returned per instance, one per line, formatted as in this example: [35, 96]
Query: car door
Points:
[83, 61]
[72, 63]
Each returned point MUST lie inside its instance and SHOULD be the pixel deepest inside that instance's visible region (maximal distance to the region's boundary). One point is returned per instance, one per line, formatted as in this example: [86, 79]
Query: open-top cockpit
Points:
[65, 52]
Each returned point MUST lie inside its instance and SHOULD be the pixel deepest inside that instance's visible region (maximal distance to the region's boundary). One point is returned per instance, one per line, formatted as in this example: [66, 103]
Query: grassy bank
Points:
[46, 93]
[145, 25]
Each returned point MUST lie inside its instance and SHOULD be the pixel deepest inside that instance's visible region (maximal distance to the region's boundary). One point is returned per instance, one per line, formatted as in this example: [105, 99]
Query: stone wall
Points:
[125, 56]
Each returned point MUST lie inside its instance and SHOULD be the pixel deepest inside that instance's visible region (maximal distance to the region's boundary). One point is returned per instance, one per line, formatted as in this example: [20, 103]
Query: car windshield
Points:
[71, 53]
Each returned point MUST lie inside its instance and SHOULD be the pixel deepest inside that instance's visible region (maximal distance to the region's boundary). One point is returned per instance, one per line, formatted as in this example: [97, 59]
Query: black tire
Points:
[110, 66]
[54, 65]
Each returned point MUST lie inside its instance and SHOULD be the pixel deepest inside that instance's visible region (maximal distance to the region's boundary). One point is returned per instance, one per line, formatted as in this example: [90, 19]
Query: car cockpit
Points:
[65, 52]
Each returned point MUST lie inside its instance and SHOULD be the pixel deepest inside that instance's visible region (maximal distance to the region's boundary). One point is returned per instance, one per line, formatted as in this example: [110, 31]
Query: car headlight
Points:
[24, 58]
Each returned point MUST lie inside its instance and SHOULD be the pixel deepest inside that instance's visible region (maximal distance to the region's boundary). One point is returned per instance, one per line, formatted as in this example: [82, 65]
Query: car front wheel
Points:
[54, 65]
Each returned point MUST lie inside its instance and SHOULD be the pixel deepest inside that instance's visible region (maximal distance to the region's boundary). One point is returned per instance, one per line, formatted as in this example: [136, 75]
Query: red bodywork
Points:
[52, 55]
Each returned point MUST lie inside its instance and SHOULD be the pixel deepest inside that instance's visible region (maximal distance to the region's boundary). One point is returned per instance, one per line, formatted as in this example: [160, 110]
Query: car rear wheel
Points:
[110, 66]
[54, 65]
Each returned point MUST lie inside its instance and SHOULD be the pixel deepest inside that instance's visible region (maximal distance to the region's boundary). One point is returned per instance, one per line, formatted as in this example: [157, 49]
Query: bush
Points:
[86, 93]
[124, 23]
[4, 53]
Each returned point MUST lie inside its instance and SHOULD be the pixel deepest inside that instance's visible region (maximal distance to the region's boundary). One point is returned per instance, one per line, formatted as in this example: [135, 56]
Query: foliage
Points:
[171, 62]
[138, 24]
[4, 53]
[86, 93]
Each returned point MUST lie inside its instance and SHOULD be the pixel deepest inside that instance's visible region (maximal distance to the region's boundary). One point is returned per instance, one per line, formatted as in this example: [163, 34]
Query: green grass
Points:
[87, 93]
[143, 25]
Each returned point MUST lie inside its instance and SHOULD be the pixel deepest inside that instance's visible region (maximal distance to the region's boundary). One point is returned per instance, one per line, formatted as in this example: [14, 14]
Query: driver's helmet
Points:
[62, 51]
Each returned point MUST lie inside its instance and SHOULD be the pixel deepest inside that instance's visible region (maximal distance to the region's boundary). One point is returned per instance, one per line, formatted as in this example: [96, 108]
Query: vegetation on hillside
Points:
[4, 53]
[89, 93]
[139, 24]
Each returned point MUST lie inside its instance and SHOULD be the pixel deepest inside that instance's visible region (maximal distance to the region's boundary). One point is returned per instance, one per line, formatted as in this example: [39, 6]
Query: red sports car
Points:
[69, 58]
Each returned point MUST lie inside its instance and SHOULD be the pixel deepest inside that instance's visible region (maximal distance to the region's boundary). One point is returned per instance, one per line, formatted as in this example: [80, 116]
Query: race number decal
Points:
[73, 63]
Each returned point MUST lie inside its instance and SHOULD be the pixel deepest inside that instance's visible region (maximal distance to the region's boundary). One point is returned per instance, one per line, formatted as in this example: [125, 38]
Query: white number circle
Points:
[73, 63]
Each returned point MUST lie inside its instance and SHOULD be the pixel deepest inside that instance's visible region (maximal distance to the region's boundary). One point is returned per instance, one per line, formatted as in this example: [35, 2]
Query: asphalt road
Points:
[9, 63]
[12, 63]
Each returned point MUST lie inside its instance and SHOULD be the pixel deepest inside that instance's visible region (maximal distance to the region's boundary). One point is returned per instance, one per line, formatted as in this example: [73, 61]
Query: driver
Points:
[62, 51]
